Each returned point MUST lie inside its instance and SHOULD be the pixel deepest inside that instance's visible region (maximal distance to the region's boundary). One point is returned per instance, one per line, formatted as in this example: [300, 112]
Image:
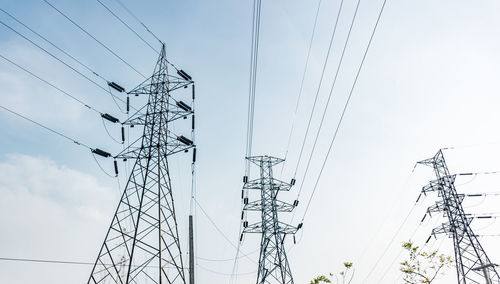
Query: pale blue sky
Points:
[430, 81]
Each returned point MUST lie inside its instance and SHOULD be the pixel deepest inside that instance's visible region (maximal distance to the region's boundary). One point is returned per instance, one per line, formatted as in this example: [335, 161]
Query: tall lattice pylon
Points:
[142, 244]
[273, 263]
[473, 265]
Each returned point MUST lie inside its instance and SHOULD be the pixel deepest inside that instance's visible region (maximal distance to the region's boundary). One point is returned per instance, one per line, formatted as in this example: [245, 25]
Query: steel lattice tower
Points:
[473, 265]
[273, 263]
[142, 244]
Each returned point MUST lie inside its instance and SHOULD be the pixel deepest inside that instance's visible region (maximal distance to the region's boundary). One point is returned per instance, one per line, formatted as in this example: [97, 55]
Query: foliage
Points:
[345, 276]
[422, 266]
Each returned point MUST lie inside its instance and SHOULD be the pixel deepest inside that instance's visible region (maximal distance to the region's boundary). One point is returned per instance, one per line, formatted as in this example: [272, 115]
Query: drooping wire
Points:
[339, 65]
[318, 89]
[254, 51]
[220, 231]
[52, 55]
[301, 85]
[52, 85]
[138, 20]
[46, 128]
[94, 38]
[54, 45]
[345, 106]
[126, 25]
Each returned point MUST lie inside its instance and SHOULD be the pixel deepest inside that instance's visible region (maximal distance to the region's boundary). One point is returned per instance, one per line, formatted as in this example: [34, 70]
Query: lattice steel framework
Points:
[473, 265]
[142, 244]
[273, 262]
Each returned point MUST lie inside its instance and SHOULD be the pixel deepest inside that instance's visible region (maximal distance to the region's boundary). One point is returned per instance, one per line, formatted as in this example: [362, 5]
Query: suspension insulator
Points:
[245, 179]
[110, 117]
[183, 106]
[184, 75]
[245, 200]
[245, 224]
[300, 226]
[100, 152]
[116, 86]
[116, 167]
[428, 239]
[185, 140]
[292, 182]
[295, 203]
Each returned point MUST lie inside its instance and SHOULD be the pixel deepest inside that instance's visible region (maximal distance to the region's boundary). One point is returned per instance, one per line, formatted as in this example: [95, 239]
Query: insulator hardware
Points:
[245, 224]
[295, 203]
[300, 226]
[194, 155]
[128, 103]
[245, 200]
[100, 152]
[192, 122]
[245, 179]
[242, 194]
[110, 117]
[183, 105]
[185, 140]
[294, 242]
[116, 167]
[123, 134]
[428, 239]
[292, 182]
[193, 92]
[241, 237]
[423, 218]
[116, 87]
[242, 215]
[184, 75]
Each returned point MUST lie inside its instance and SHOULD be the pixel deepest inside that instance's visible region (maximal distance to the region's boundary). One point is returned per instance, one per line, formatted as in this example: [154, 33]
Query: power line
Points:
[47, 128]
[126, 25]
[58, 59]
[319, 87]
[345, 107]
[52, 85]
[301, 84]
[138, 20]
[94, 38]
[54, 45]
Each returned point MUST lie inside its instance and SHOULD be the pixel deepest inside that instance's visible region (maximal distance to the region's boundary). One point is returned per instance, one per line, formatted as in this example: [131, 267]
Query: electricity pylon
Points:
[473, 265]
[273, 263]
[142, 244]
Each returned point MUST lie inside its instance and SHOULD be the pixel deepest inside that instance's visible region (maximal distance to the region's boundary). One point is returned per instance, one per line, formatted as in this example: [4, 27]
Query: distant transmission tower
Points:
[473, 265]
[142, 244]
[273, 263]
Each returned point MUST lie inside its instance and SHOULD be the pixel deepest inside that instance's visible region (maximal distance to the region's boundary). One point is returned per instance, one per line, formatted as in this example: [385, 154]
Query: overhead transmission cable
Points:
[254, 52]
[319, 87]
[52, 85]
[345, 108]
[60, 60]
[301, 85]
[47, 128]
[94, 38]
[54, 45]
[138, 20]
[126, 25]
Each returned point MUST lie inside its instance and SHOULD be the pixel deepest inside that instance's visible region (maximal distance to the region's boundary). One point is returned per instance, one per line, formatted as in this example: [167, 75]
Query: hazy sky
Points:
[430, 81]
